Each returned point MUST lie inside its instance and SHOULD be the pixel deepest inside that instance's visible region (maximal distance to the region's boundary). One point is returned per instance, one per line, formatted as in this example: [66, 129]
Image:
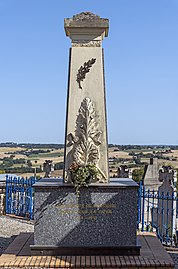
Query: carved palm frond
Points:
[86, 149]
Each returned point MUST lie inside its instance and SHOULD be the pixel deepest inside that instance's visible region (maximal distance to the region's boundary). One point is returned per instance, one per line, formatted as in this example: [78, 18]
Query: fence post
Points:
[162, 212]
[173, 213]
[167, 215]
[139, 204]
[8, 194]
[143, 208]
[2, 196]
[148, 212]
[32, 181]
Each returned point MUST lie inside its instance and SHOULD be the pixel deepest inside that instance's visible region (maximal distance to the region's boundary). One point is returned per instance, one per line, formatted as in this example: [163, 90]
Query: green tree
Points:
[137, 174]
[29, 163]
[59, 166]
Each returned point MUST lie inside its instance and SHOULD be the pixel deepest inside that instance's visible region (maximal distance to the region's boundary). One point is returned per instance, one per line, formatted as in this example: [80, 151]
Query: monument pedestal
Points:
[102, 221]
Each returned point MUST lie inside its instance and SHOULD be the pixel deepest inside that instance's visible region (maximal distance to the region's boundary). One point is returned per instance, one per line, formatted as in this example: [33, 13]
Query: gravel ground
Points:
[10, 227]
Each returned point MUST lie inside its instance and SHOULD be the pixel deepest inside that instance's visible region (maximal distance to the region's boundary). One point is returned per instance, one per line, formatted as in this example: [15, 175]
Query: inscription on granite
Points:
[87, 211]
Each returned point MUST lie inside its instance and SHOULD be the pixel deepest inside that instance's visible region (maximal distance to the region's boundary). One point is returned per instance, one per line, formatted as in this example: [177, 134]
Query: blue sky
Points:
[141, 69]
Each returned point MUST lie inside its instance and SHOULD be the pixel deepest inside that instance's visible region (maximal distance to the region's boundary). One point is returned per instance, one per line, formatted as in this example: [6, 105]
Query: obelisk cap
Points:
[86, 20]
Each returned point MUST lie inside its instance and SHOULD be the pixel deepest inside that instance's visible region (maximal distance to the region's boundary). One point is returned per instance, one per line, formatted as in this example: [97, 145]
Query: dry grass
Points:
[4, 151]
[161, 162]
[174, 164]
[41, 159]
[8, 149]
[119, 154]
[173, 153]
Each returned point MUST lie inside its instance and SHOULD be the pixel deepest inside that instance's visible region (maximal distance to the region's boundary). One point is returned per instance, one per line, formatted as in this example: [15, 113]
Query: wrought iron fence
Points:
[19, 196]
[157, 212]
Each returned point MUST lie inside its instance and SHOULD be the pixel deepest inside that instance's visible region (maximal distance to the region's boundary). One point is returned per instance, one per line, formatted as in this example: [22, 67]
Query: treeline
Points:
[158, 155]
[54, 146]
[29, 152]
[61, 146]
[31, 145]
[142, 147]
[9, 161]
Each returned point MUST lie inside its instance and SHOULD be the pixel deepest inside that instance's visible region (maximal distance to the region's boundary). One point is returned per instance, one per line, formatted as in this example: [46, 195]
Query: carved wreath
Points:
[83, 70]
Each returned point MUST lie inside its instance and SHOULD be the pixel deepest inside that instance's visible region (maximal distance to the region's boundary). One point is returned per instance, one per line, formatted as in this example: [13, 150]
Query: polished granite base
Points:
[103, 218]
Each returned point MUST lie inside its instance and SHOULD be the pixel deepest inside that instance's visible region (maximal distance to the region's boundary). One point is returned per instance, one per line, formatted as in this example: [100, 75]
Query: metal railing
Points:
[157, 212]
[19, 196]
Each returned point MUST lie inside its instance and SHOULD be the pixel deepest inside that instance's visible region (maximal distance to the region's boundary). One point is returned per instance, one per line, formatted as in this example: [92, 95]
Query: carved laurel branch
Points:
[83, 70]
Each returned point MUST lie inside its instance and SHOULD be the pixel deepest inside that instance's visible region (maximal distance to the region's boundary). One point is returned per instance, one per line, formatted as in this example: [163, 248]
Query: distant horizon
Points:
[53, 143]
[141, 67]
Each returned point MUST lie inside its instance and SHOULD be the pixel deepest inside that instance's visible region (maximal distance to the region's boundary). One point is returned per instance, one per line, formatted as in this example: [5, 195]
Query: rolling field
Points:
[117, 157]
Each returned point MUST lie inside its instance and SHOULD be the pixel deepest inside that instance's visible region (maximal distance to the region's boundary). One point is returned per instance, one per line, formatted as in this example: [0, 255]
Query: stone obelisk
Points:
[86, 131]
[100, 218]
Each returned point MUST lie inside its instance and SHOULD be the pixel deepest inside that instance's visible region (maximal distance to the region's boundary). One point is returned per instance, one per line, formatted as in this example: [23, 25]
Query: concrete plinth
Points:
[102, 220]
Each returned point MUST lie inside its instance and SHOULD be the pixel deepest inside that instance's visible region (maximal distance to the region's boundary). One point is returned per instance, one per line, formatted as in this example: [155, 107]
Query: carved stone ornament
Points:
[86, 43]
[86, 141]
[86, 20]
[83, 70]
[85, 16]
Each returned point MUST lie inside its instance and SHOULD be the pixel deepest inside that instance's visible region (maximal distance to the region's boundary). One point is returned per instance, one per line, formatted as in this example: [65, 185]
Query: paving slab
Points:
[153, 255]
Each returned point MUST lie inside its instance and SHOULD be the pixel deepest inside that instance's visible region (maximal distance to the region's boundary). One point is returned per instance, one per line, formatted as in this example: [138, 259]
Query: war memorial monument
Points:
[86, 212]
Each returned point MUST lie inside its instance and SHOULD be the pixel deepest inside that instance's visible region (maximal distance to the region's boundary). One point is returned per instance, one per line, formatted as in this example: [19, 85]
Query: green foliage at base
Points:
[83, 175]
